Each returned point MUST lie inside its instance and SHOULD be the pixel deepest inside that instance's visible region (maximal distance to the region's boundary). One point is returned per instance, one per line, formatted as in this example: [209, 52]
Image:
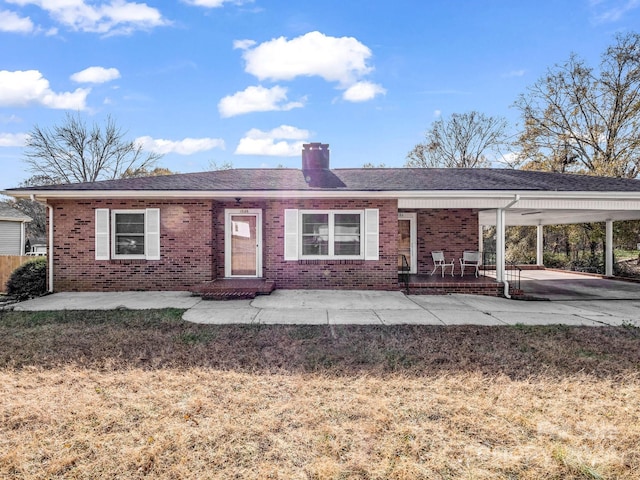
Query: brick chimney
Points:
[315, 156]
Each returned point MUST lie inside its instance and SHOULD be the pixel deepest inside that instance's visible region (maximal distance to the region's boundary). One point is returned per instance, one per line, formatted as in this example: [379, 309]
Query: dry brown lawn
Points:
[145, 395]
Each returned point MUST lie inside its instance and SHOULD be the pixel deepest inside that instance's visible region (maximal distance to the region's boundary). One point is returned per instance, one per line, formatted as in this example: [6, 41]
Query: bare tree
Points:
[144, 172]
[217, 166]
[73, 152]
[37, 227]
[577, 119]
[462, 141]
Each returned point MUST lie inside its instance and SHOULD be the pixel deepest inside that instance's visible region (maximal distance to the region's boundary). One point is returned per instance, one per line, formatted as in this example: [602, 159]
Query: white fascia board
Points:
[406, 199]
[558, 217]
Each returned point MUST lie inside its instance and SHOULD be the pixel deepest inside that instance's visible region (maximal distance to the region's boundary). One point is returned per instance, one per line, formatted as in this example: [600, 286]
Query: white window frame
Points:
[105, 234]
[116, 256]
[331, 234]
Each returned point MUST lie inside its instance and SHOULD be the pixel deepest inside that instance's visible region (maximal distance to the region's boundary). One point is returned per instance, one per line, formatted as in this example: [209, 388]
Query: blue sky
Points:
[247, 82]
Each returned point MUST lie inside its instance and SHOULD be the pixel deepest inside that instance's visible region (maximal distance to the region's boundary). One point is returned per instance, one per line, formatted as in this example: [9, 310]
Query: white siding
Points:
[11, 238]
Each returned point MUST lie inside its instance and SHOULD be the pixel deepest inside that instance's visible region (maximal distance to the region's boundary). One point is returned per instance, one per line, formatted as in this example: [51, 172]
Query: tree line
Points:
[576, 118]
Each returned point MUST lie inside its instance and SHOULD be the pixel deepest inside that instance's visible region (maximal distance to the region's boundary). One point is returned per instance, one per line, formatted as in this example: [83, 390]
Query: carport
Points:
[564, 208]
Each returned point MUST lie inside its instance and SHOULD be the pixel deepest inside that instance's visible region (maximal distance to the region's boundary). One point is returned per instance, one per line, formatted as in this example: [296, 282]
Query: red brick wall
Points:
[320, 274]
[192, 246]
[450, 230]
[186, 243]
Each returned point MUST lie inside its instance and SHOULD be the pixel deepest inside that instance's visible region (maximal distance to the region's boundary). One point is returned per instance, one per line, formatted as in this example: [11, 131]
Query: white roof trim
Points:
[407, 199]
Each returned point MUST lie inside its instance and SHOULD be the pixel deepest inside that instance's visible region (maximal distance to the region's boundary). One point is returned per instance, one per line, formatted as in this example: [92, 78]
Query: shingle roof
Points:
[360, 179]
[10, 213]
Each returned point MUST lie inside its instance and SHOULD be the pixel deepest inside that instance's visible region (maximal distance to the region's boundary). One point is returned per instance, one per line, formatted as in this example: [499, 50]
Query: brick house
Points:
[314, 227]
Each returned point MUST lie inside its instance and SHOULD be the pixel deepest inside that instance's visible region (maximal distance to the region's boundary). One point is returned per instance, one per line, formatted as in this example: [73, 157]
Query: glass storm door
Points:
[407, 240]
[243, 244]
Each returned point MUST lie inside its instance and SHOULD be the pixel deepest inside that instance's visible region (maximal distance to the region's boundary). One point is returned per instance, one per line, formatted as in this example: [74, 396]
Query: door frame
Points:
[228, 214]
[413, 243]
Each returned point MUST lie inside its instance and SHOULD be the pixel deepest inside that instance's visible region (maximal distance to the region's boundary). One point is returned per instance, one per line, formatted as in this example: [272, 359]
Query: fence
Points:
[8, 263]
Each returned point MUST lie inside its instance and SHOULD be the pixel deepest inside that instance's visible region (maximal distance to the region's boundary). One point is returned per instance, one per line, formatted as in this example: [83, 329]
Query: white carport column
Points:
[480, 238]
[608, 257]
[500, 244]
[540, 245]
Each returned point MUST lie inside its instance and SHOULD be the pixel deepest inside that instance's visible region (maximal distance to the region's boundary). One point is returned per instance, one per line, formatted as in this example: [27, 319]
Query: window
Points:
[127, 234]
[332, 234]
[128, 231]
[315, 234]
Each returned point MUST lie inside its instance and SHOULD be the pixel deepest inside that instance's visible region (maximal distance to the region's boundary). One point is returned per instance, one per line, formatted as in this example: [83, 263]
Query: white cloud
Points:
[362, 91]
[187, 146]
[256, 99]
[24, 88]
[437, 113]
[209, 3]
[608, 11]
[283, 141]
[11, 22]
[515, 73]
[13, 139]
[243, 44]
[10, 119]
[342, 59]
[108, 18]
[96, 75]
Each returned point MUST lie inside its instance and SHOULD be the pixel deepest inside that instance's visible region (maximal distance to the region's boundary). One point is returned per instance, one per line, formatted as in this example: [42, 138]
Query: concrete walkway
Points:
[322, 307]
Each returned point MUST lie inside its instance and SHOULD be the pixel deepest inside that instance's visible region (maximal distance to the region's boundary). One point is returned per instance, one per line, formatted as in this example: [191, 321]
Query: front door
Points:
[243, 243]
[407, 244]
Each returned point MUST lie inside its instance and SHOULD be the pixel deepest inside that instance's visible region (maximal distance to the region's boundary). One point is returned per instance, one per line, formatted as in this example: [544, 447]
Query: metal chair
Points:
[470, 258]
[440, 262]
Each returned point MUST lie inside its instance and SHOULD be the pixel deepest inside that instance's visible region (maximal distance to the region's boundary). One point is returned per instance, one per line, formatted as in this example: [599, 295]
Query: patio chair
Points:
[440, 262]
[470, 258]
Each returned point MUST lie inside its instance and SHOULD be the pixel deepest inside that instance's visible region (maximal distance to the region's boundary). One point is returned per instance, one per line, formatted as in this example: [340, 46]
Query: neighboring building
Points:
[314, 227]
[12, 230]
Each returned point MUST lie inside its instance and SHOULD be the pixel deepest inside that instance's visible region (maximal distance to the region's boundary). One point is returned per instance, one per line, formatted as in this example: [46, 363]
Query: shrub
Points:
[555, 260]
[28, 280]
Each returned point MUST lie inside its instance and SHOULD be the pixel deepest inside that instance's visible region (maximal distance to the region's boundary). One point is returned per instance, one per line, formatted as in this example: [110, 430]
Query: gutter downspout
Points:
[50, 244]
[501, 232]
[50, 249]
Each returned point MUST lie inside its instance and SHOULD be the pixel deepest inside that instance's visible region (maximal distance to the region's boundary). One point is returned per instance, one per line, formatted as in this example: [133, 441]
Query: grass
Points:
[127, 394]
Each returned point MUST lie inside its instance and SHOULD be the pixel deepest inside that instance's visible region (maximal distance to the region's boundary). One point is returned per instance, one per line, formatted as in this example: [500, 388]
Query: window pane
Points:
[130, 223]
[347, 234]
[129, 233]
[313, 222]
[129, 244]
[315, 234]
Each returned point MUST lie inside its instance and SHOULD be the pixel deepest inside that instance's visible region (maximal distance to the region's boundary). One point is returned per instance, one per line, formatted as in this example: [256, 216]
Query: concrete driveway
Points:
[559, 285]
[331, 307]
